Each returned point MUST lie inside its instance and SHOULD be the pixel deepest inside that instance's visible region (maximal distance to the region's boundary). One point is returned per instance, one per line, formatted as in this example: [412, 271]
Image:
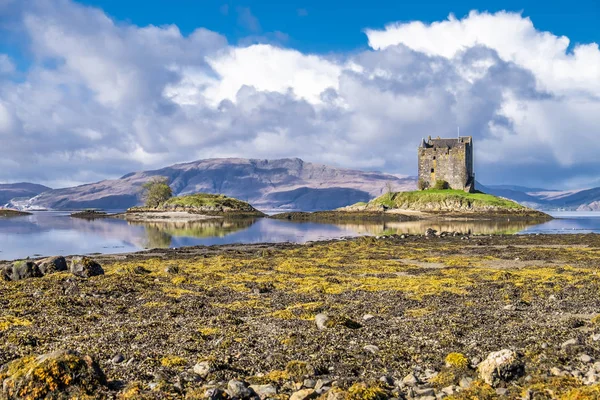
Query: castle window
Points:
[432, 170]
[434, 157]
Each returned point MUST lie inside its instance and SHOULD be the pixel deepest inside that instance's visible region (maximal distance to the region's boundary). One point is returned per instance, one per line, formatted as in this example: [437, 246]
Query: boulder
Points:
[303, 394]
[85, 267]
[22, 270]
[501, 366]
[264, 391]
[239, 390]
[52, 264]
[61, 374]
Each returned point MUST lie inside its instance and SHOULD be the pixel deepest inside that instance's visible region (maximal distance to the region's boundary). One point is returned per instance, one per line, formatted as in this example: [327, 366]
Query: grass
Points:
[428, 199]
[208, 200]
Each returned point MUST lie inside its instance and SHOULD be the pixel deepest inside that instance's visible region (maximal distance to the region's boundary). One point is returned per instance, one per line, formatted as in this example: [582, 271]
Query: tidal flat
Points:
[399, 317]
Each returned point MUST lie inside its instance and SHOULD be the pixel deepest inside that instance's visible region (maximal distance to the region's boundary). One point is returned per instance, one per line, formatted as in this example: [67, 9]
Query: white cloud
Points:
[6, 65]
[103, 98]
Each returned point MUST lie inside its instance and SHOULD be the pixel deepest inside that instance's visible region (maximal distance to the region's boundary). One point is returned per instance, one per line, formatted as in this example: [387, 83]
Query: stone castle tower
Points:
[450, 160]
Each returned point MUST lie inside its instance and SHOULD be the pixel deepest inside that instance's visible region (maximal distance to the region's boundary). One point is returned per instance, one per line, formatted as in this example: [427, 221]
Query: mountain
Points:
[9, 191]
[285, 184]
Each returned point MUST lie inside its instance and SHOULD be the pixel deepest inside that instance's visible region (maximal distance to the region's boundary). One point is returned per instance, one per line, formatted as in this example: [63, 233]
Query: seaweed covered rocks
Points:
[83, 267]
[61, 374]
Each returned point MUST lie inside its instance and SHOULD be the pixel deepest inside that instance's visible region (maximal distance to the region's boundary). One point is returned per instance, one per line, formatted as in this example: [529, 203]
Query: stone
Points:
[449, 390]
[323, 321]
[118, 359]
[52, 264]
[70, 373]
[430, 232]
[424, 392]
[595, 337]
[202, 369]
[23, 270]
[465, 382]
[556, 371]
[585, 358]
[214, 394]
[570, 342]
[371, 349]
[85, 267]
[303, 394]
[501, 391]
[309, 383]
[264, 391]
[238, 389]
[322, 383]
[368, 317]
[501, 366]
[410, 380]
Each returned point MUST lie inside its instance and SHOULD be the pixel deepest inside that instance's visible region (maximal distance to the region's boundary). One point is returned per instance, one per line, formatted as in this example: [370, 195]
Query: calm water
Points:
[50, 233]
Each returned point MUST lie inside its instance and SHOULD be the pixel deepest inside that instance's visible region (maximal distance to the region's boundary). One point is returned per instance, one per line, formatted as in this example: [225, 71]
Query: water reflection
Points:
[48, 233]
[160, 234]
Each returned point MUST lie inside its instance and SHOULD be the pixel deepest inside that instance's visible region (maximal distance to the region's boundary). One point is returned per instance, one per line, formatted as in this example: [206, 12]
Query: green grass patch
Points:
[208, 200]
[422, 198]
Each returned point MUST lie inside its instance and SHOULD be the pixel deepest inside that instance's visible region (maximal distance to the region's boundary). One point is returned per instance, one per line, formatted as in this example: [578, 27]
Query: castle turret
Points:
[449, 160]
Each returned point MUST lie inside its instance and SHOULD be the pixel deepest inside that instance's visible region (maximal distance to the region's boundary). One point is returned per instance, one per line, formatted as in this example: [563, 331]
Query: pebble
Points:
[410, 380]
[238, 389]
[368, 317]
[322, 383]
[424, 392]
[202, 369]
[303, 394]
[387, 380]
[556, 371]
[449, 390]
[501, 391]
[322, 321]
[465, 382]
[596, 337]
[570, 342]
[371, 349]
[118, 359]
[264, 391]
[585, 358]
[309, 383]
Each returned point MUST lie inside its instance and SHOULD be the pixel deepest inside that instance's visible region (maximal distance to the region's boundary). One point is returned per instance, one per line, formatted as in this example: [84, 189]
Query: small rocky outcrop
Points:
[501, 366]
[21, 270]
[85, 267]
[63, 372]
[52, 264]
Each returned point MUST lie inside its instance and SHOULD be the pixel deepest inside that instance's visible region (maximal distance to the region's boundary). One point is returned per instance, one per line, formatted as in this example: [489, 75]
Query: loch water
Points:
[52, 233]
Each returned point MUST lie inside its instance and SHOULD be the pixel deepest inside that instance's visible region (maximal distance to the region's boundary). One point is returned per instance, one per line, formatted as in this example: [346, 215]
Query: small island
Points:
[197, 206]
[8, 213]
[448, 203]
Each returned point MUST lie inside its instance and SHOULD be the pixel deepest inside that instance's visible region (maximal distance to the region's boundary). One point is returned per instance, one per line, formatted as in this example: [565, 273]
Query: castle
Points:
[449, 160]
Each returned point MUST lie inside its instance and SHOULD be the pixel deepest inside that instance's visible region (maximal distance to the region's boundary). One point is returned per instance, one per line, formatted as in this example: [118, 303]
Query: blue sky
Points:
[95, 89]
[335, 25]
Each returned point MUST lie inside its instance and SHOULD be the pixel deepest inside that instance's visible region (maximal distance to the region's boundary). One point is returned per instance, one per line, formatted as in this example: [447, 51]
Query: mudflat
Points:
[367, 318]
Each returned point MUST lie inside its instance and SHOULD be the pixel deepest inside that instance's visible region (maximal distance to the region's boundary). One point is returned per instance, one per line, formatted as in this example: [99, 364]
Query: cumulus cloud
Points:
[102, 98]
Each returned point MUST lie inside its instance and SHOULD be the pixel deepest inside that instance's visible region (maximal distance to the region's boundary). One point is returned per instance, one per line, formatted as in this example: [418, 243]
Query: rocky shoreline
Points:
[416, 317]
[8, 213]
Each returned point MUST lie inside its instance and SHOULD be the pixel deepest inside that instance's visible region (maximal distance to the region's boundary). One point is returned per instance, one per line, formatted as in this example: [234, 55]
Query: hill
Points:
[285, 184]
[9, 191]
[449, 202]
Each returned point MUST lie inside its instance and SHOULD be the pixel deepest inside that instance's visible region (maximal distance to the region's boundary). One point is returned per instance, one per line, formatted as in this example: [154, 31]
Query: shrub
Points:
[423, 184]
[441, 185]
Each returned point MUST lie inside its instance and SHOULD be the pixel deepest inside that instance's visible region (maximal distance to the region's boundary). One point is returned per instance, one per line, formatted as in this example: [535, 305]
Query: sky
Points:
[94, 89]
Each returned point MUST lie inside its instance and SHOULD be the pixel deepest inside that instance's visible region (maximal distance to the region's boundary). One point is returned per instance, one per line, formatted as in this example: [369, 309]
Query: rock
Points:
[172, 269]
[410, 380]
[368, 317]
[585, 358]
[556, 371]
[118, 359]
[264, 391]
[387, 380]
[238, 389]
[465, 382]
[309, 383]
[52, 264]
[570, 342]
[371, 349]
[509, 307]
[85, 267]
[323, 321]
[23, 270]
[595, 337]
[501, 391]
[424, 392]
[203, 368]
[430, 232]
[55, 374]
[501, 366]
[449, 390]
[215, 394]
[303, 394]
[322, 383]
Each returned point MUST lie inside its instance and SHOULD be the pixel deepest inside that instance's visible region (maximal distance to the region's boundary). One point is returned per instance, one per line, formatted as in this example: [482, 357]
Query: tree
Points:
[156, 191]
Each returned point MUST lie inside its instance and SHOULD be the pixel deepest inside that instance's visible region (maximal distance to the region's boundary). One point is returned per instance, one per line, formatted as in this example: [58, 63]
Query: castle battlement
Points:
[450, 160]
